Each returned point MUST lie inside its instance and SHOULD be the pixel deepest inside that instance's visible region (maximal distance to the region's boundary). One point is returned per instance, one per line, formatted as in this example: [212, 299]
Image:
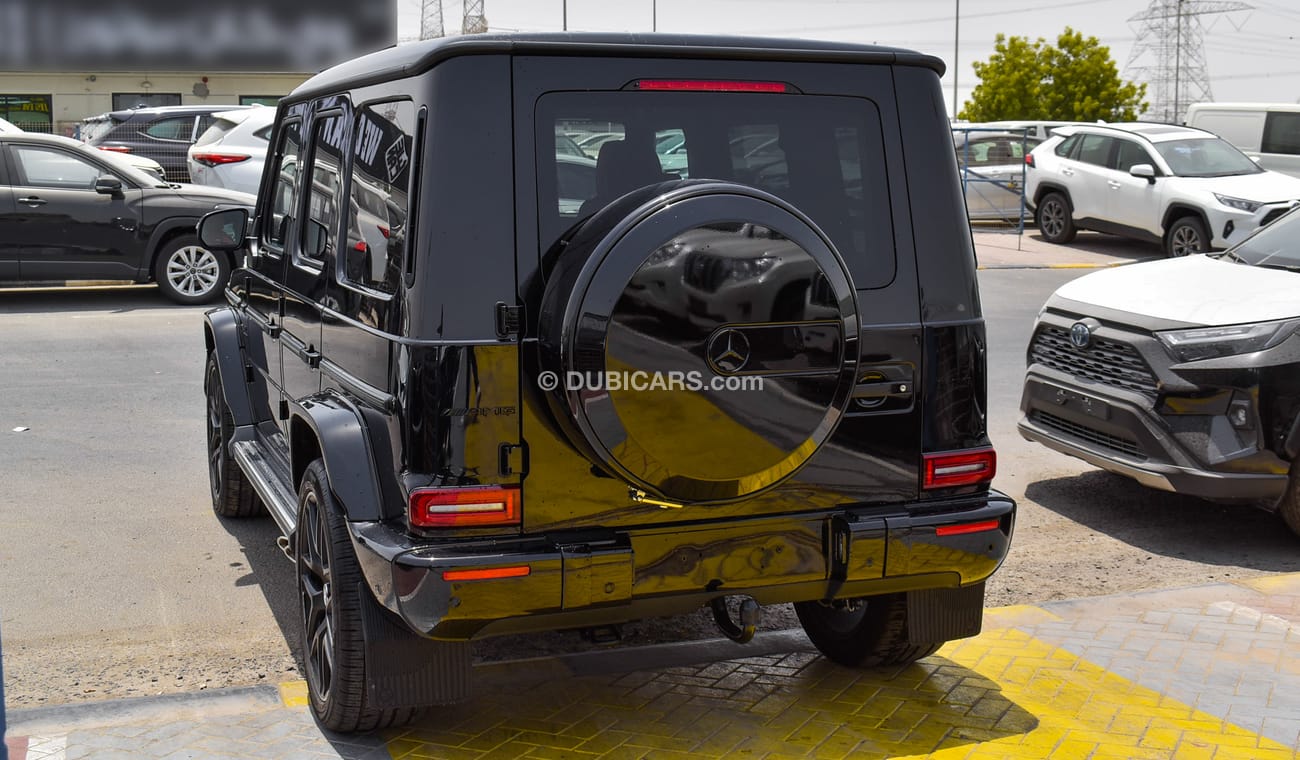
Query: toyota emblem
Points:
[1080, 335]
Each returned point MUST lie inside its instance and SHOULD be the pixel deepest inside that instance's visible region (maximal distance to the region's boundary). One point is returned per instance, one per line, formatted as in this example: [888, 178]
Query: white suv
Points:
[1181, 187]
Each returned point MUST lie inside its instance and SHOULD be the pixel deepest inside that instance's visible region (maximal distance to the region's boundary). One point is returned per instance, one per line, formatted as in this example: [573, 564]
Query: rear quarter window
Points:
[822, 154]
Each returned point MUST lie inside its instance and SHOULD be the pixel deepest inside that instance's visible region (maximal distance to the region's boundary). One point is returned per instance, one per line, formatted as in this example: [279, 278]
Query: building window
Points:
[124, 100]
[29, 112]
[259, 100]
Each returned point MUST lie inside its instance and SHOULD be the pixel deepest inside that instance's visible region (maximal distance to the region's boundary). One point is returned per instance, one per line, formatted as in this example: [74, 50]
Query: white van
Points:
[1267, 132]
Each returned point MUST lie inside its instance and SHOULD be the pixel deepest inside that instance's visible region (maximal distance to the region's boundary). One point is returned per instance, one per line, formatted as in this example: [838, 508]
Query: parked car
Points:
[993, 172]
[1039, 130]
[590, 143]
[1181, 374]
[70, 212]
[8, 126]
[437, 473]
[1183, 188]
[1267, 132]
[163, 133]
[230, 153]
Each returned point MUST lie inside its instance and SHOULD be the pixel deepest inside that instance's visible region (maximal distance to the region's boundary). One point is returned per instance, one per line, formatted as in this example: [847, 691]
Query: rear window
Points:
[822, 154]
[215, 132]
[95, 128]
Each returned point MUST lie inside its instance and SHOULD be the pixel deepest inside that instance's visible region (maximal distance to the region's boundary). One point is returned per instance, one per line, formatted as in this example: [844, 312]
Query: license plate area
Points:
[1077, 402]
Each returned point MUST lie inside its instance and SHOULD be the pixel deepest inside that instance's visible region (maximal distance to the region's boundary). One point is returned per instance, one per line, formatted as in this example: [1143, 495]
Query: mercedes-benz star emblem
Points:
[729, 351]
[1080, 335]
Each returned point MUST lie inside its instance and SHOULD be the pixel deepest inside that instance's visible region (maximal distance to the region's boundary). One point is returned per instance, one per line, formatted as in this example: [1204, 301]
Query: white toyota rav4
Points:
[1181, 187]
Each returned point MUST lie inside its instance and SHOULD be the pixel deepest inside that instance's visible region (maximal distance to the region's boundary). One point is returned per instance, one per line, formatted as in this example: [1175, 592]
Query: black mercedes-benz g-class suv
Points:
[486, 387]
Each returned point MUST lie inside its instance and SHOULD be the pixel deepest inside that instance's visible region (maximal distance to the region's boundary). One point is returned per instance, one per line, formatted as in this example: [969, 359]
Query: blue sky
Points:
[1251, 55]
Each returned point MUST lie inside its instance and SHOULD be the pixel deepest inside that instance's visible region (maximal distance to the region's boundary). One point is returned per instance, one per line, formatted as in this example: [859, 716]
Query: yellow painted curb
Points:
[293, 693]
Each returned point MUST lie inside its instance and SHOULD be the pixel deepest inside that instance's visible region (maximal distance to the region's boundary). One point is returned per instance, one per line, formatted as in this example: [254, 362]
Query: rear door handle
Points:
[32, 201]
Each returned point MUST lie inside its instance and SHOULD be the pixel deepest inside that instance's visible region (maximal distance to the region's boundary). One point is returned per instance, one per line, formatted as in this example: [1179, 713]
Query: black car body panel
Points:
[415, 365]
[57, 227]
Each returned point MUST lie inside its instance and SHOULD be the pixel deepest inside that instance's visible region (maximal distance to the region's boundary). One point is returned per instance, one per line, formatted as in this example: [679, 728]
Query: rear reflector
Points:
[708, 85]
[464, 507]
[115, 148]
[216, 159]
[488, 573]
[957, 530]
[959, 468]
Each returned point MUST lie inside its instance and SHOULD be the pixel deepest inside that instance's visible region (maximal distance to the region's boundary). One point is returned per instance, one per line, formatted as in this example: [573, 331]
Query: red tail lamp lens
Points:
[1029, 159]
[959, 468]
[487, 573]
[464, 507]
[958, 530]
[115, 148]
[216, 159]
[708, 85]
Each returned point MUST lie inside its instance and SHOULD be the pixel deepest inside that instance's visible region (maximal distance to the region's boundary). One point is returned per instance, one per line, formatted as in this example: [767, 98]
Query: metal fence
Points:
[992, 163]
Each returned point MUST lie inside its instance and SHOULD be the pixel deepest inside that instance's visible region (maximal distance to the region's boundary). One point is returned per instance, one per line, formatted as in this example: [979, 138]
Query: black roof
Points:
[410, 59]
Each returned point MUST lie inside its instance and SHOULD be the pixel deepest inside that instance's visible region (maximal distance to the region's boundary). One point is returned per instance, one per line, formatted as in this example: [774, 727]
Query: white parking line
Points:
[47, 747]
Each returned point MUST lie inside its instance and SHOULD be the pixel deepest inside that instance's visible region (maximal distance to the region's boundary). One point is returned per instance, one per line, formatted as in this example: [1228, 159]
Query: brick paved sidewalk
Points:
[1204, 672]
[1090, 250]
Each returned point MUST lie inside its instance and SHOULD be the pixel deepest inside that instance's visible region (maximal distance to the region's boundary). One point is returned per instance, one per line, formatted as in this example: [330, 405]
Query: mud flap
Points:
[944, 614]
[404, 669]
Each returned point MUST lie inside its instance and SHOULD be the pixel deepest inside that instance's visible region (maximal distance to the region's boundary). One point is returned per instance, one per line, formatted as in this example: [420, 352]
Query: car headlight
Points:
[748, 269]
[1241, 204]
[1212, 342]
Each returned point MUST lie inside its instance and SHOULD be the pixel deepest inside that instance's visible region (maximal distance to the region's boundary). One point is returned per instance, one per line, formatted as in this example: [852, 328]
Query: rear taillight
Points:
[1029, 160]
[959, 468]
[964, 528]
[487, 573]
[464, 507]
[216, 159]
[115, 148]
[708, 85]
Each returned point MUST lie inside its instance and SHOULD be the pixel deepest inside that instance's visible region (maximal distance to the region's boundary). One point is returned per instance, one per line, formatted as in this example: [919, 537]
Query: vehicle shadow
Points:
[105, 298]
[271, 572]
[1109, 245]
[1171, 524]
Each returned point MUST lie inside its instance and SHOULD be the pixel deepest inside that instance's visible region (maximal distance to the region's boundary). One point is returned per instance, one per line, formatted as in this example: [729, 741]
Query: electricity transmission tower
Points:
[1171, 32]
[474, 21]
[431, 20]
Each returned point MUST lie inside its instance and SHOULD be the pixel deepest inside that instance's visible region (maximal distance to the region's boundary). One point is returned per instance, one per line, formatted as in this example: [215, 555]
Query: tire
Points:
[232, 493]
[188, 273]
[872, 636]
[1186, 235]
[1053, 219]
[1289, 507]
[330, 586]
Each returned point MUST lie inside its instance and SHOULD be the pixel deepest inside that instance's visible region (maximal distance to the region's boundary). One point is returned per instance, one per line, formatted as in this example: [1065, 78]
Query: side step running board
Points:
[266, 480]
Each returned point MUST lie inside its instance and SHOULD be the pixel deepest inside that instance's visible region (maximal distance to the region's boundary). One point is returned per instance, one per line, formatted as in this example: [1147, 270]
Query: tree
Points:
[1075, 80]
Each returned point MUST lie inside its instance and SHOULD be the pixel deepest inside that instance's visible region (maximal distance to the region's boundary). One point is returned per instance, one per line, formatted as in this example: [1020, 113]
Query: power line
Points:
[1171, 35]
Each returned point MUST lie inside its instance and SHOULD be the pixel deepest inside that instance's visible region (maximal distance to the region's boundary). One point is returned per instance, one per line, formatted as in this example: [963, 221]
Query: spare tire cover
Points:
[699, 340]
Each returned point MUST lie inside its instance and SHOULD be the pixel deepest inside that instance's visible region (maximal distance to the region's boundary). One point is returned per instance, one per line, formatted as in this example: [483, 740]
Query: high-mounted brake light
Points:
[959, 468]
[487, 573]
[464, 507]
[115, 148]
[216, 159]
[964, 528]
[708, 85]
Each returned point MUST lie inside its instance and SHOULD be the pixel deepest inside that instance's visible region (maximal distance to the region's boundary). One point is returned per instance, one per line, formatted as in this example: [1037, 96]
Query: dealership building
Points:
[62, 62]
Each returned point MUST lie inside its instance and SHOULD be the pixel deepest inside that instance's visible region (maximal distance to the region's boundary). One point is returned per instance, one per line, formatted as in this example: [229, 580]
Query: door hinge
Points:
[512, 459]
[284, 409]
[509, 320]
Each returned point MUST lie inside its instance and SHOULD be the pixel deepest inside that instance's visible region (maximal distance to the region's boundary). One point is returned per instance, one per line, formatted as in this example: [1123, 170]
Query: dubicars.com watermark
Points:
[640, 381]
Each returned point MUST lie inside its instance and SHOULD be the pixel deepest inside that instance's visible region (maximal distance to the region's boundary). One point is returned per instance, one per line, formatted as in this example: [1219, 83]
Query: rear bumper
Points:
[604, 577]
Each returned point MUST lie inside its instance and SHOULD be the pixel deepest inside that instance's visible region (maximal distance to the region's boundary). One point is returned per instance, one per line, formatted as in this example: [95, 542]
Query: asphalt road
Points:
[119, 581]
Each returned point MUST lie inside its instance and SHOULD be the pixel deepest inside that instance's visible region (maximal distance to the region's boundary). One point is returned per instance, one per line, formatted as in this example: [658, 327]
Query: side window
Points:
[285, 193]
[326, 188]
[205, 120]
[1095, 149]
[1131, 154]
[43, 167]
[1067, 145]
[1282, 133]
[375, 254]
[179, 128]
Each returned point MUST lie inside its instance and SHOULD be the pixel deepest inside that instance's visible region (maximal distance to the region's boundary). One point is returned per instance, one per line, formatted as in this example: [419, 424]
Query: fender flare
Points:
[329, 426]
[222, 329]
[165, 229]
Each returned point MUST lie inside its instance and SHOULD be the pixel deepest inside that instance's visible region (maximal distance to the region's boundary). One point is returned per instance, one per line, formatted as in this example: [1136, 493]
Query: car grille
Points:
[1274, 214]
[1107, 362]
[1116, 443]
[706, 272]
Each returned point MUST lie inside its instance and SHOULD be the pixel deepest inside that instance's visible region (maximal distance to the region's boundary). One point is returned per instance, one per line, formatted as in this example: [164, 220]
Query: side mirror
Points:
[316, 240]
[108, 185]
[1146, 171]
[223, 230]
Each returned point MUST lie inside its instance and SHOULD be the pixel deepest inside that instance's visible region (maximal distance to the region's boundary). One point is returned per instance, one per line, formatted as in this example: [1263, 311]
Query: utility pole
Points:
[431, 20]
[473, 22]
[956, 35]
[1169, 54]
